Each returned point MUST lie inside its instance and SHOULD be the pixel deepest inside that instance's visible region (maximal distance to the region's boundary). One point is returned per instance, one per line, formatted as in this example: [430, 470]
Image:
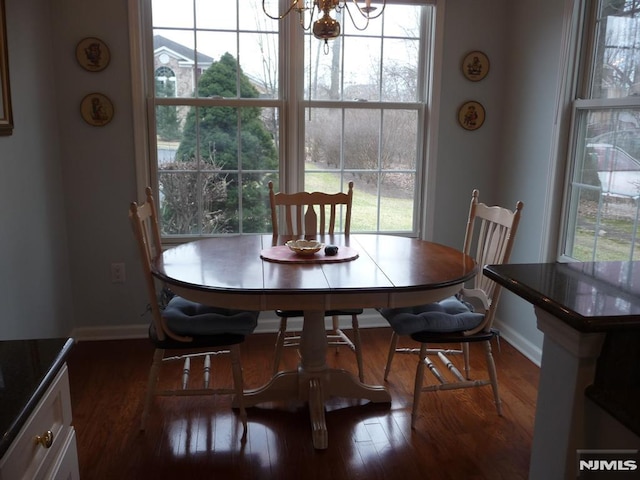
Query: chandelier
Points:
[326, 27]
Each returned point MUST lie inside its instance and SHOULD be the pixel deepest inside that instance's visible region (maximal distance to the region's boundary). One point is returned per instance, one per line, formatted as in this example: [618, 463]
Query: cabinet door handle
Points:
[46, 439]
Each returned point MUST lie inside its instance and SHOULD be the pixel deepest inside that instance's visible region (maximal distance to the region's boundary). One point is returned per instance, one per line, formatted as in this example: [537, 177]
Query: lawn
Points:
[612, 235]
[613, 241]
[396, 214]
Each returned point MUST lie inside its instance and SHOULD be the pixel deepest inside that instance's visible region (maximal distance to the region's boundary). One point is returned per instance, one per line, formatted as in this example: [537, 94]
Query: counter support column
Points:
[568, 367]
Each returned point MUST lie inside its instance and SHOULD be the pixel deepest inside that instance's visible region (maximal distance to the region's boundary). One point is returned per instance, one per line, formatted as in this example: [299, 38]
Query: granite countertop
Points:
[27, 368]
[590, 296]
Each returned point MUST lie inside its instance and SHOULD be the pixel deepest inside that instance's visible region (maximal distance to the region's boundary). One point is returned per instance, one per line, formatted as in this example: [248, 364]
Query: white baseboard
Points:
[520, 343]
[268, 322]
[120, 332]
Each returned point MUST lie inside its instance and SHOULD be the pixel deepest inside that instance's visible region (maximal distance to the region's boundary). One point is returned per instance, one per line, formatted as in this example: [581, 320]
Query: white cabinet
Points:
[45, 448]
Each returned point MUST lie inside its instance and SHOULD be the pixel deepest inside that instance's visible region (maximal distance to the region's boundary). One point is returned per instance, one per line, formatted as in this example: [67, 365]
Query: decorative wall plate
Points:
[475, 66]
[93, 54]
[96, 109]
[471, 115]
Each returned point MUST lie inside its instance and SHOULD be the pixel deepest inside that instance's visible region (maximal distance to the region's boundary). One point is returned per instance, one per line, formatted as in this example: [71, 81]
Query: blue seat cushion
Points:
[447, 316]
[185, 317]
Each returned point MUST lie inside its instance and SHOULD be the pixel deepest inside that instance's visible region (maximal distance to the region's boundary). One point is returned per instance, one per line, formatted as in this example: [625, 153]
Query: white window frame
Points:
[143, 114]
[578, 52]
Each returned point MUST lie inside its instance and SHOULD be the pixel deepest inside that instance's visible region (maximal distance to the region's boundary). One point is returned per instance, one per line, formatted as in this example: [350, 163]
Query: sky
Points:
[219, 19]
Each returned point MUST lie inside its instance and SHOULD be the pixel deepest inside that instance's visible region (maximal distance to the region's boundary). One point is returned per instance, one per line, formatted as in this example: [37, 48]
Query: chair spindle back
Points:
[147, 232]
[490, 233]
[311, 213]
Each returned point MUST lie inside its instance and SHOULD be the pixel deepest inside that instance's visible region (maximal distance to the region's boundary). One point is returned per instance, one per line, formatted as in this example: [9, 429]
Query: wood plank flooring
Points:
[458, 436]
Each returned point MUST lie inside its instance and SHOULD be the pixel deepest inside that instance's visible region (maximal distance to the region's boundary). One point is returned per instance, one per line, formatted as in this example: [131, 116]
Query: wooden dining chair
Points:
[187, 327]
[307, 215]
[463, 319]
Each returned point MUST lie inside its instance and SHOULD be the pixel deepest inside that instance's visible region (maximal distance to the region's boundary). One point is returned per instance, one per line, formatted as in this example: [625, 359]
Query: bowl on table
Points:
[304, 247]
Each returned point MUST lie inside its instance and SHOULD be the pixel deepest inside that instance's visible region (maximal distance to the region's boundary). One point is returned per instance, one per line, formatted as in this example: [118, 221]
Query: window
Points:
[165, 82]
[239, 99]
[604, 191]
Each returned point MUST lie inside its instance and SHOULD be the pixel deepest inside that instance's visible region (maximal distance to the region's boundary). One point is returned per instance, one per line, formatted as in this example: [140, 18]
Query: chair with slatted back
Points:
[463, 319]
[186, 326]
[308, 214]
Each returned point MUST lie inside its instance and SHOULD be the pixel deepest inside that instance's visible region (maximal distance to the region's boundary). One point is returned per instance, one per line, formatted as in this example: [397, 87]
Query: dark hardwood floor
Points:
[458, 436]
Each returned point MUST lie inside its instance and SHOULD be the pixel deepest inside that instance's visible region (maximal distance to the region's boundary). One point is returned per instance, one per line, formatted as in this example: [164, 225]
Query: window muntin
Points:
[604, 191]
[225, 142]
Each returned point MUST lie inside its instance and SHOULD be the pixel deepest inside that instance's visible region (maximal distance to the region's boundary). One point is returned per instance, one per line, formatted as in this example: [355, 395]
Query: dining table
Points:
[259, 272]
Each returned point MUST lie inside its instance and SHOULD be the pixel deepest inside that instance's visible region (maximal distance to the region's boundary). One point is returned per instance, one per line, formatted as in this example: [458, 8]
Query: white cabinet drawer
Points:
[65, 467]
[26, 458]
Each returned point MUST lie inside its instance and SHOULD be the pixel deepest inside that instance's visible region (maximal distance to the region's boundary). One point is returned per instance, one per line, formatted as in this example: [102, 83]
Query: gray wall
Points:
[468, 159]
[35, 277]
[98, 166]
[510, 157]
[67, 185]
[527, 169]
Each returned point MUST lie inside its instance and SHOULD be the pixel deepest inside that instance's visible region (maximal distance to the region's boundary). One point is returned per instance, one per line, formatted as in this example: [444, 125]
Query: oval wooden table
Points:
[387, 271]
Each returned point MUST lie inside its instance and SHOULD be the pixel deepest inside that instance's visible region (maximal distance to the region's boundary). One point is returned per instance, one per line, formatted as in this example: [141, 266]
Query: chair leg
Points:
[358, 345]
[279, 344]
[417, 389]
[467, 363]
[392, 350]
[152, 381]
[238, 383]
[491, 366]
[335, 323]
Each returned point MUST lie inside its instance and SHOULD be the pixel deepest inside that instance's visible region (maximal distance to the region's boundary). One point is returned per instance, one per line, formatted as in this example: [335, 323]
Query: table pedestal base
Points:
[315, 388]
[314, 382]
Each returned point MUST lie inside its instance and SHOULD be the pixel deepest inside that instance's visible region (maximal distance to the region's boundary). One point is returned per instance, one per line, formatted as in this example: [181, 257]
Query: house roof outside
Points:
[186, 53]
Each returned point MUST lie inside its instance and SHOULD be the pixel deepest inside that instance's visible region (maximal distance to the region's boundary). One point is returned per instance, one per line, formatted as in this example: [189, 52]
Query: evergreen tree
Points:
[220, 129]
[167, 124]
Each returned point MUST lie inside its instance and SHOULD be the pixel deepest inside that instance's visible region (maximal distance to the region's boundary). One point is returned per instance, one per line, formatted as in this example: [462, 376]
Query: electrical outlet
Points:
[117, 272]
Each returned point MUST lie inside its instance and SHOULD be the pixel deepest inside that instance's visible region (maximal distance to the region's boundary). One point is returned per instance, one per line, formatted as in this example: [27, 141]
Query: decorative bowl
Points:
[304, 247]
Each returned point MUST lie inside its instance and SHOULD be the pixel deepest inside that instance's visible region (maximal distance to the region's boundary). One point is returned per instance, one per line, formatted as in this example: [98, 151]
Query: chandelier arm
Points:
[306, 28]
[279, 17]
[365, 11]
[353, 21]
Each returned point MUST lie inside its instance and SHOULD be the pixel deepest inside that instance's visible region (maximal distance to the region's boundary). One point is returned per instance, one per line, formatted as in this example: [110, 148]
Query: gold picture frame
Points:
[93, 54]
[6, 113]
[475, 66]
[471, 115]
[96, 109]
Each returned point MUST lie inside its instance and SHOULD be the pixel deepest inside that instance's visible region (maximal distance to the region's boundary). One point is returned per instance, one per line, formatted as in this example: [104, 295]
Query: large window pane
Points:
[367, 66]
[352, 107]
[606, 186]
[374, 148]
[203, 159]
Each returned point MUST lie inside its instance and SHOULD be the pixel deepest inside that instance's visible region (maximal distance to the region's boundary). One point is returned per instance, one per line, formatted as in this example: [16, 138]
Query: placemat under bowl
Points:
[282, 254]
